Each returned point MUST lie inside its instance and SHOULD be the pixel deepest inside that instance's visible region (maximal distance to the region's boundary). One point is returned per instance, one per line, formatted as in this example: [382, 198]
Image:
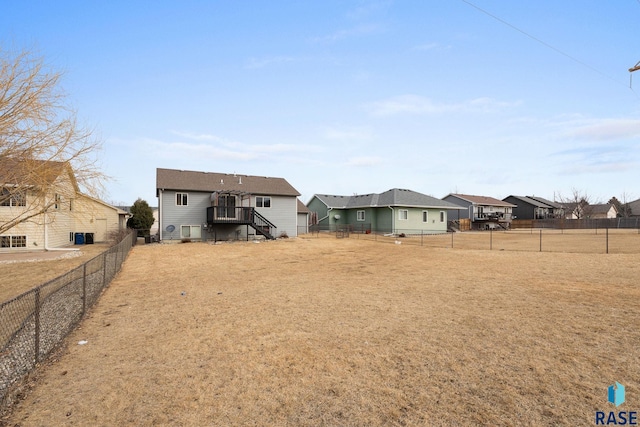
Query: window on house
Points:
[425, 216]
[70, 204]
[190, 232]
[359, 215]
[7, 198]
[56, 201]
[403, 214]
[263, 202]
[441, 216]
[18, 241]
[182, 199]
[13, 241]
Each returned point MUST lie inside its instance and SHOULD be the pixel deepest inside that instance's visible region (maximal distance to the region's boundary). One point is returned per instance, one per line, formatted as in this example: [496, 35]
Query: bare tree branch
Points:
[41, 141]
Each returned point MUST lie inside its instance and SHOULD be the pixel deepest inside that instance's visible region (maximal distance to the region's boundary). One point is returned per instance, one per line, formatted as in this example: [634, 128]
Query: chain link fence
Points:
[569, 240]
[35, 323]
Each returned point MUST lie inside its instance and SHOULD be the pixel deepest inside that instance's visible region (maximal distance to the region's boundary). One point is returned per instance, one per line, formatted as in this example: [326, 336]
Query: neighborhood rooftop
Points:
[173, 179]
[482, 200]
[393, 197]
[531, 201]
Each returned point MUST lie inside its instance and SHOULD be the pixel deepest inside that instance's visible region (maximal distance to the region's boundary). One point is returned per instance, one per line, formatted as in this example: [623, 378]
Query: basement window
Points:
[190, 232]
[13, 241]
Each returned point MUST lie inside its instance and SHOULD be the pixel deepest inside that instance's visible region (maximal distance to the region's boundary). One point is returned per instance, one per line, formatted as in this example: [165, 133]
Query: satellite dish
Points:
[171, 228]
[336, 216]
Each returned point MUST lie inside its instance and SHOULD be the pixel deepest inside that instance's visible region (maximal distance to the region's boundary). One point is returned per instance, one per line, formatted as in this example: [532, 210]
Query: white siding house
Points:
[43, 208]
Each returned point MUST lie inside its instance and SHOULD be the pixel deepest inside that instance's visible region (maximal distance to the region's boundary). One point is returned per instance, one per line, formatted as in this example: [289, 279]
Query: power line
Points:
[584, 64]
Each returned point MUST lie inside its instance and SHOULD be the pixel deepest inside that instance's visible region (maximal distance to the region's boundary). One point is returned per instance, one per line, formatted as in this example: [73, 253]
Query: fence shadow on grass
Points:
[34, 323]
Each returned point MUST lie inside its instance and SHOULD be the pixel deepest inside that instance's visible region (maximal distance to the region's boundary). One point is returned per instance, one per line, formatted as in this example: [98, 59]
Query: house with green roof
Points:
[394, 211]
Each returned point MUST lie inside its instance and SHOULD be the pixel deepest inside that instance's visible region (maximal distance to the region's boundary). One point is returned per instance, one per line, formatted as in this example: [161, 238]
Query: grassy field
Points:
[325, 331]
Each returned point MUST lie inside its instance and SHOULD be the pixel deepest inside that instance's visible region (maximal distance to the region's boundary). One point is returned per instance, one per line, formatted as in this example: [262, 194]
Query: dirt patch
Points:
[348, 332]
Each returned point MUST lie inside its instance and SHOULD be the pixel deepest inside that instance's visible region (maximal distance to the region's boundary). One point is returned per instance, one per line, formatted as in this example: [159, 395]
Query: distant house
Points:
[529, 208]
[394, 211]
[600, 211]
[635, 208]
[556, 209]
[482, 211]
[44, 203]
[585, 210]
[217, 206]
[303, 218]
[154, 210]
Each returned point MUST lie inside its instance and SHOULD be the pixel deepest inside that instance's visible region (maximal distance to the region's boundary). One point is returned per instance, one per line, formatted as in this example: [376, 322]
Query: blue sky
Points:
[351, 97]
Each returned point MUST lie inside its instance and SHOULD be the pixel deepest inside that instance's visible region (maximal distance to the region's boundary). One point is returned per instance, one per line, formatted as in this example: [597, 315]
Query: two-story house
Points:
[41, 207]
[483, 212]
[217, 206]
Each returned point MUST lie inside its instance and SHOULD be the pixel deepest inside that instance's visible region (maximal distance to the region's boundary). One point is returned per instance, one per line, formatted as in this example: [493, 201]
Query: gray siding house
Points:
[217, 206]
[303, 218]
[394, 211]
[529, 208]
[483, 212]
[634, 207]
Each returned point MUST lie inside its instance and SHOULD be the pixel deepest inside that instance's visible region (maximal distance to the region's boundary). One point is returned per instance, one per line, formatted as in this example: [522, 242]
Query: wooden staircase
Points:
[217, 215]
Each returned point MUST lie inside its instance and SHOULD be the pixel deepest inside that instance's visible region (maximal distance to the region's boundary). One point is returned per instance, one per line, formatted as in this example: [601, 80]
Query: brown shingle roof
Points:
[483, 200]
[31, 171]
[302, 209]
[173, 179]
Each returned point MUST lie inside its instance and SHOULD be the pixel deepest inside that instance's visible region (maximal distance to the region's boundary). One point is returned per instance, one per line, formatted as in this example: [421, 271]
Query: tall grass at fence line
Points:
[36, 322]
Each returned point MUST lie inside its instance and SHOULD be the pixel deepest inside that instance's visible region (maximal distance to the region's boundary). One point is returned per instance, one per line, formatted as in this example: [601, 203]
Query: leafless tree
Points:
[40, 141]
[578, 203]
[622, 205]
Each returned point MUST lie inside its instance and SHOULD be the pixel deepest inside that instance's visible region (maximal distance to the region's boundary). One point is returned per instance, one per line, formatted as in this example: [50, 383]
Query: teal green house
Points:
[394, 211]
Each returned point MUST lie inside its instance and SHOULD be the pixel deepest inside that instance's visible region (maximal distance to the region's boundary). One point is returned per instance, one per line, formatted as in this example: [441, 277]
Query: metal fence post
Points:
[540, 240]
[84, 289]
[104, 269]
[36, 314]
[607, 239]
[452, 233]
[491, 239]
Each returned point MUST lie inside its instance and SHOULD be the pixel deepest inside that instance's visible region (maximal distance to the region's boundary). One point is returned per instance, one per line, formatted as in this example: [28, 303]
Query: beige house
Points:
[601, 211]
[42, 208]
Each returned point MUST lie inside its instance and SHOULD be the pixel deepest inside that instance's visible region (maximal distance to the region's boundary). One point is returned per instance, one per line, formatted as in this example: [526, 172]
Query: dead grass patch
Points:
[348, 332]
[25, 274]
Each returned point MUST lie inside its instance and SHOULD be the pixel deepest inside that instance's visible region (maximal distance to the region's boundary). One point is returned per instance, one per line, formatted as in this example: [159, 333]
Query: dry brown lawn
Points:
[21, 272]
[348, 332]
